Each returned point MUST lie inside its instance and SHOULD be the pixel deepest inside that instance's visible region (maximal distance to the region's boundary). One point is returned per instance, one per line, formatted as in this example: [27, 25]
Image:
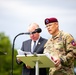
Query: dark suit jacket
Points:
[26, 46]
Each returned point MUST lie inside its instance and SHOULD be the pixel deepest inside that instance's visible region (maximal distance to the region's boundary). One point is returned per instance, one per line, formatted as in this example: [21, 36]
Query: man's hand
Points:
[28, 66]
[18, 60]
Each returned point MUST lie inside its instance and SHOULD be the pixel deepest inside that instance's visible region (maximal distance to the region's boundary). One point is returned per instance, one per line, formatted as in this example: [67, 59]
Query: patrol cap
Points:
[50, 20]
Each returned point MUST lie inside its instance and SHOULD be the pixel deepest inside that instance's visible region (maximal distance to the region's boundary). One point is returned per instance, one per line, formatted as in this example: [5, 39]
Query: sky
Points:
[16, 15]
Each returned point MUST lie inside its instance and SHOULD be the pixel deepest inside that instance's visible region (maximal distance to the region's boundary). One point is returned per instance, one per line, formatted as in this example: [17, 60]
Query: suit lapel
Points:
[29, 43]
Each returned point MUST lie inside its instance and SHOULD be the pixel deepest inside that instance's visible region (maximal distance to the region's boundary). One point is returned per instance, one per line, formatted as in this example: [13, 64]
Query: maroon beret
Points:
[50, 20]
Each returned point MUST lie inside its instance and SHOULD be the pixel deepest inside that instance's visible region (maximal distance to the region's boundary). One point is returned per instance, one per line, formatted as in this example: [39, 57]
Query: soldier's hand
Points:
[57, 62]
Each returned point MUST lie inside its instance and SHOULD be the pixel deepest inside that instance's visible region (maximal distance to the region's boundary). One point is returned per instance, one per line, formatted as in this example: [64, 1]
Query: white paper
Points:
[20, 52]
[52, 58]
[27, 53]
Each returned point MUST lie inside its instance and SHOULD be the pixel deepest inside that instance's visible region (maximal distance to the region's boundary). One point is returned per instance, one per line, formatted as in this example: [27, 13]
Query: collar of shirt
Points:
[57, 36]
[32, 43]
[36, 41]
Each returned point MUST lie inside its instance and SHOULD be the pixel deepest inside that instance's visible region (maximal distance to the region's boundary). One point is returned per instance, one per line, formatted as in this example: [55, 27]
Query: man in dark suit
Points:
[28, 46]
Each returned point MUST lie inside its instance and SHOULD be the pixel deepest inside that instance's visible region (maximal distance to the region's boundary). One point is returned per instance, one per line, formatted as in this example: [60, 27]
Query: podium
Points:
[37, 60]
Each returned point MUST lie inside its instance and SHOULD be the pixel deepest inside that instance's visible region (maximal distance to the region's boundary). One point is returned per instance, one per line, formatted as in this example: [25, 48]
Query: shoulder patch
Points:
[73, 43]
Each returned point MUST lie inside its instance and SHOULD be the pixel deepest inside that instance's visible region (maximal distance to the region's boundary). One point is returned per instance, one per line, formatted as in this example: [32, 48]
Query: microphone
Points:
[38, 30]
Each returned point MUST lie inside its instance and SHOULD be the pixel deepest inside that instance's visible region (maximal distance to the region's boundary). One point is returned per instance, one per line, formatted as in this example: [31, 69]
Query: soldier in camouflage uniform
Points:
[61, 47]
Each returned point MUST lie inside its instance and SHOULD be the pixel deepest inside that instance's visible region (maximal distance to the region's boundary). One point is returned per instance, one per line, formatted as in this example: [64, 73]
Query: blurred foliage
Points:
[6, 57]
[75, 62]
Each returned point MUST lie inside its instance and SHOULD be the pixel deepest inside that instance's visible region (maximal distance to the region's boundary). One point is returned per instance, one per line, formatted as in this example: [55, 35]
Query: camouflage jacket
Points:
[62, 46]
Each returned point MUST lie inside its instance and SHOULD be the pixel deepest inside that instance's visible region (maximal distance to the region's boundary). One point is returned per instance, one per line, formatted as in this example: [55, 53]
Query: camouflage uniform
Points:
[62, 46]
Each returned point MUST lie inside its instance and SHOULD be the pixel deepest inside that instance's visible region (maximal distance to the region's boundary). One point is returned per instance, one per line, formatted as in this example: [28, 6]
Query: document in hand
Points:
[20, 52]
[42, 59]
